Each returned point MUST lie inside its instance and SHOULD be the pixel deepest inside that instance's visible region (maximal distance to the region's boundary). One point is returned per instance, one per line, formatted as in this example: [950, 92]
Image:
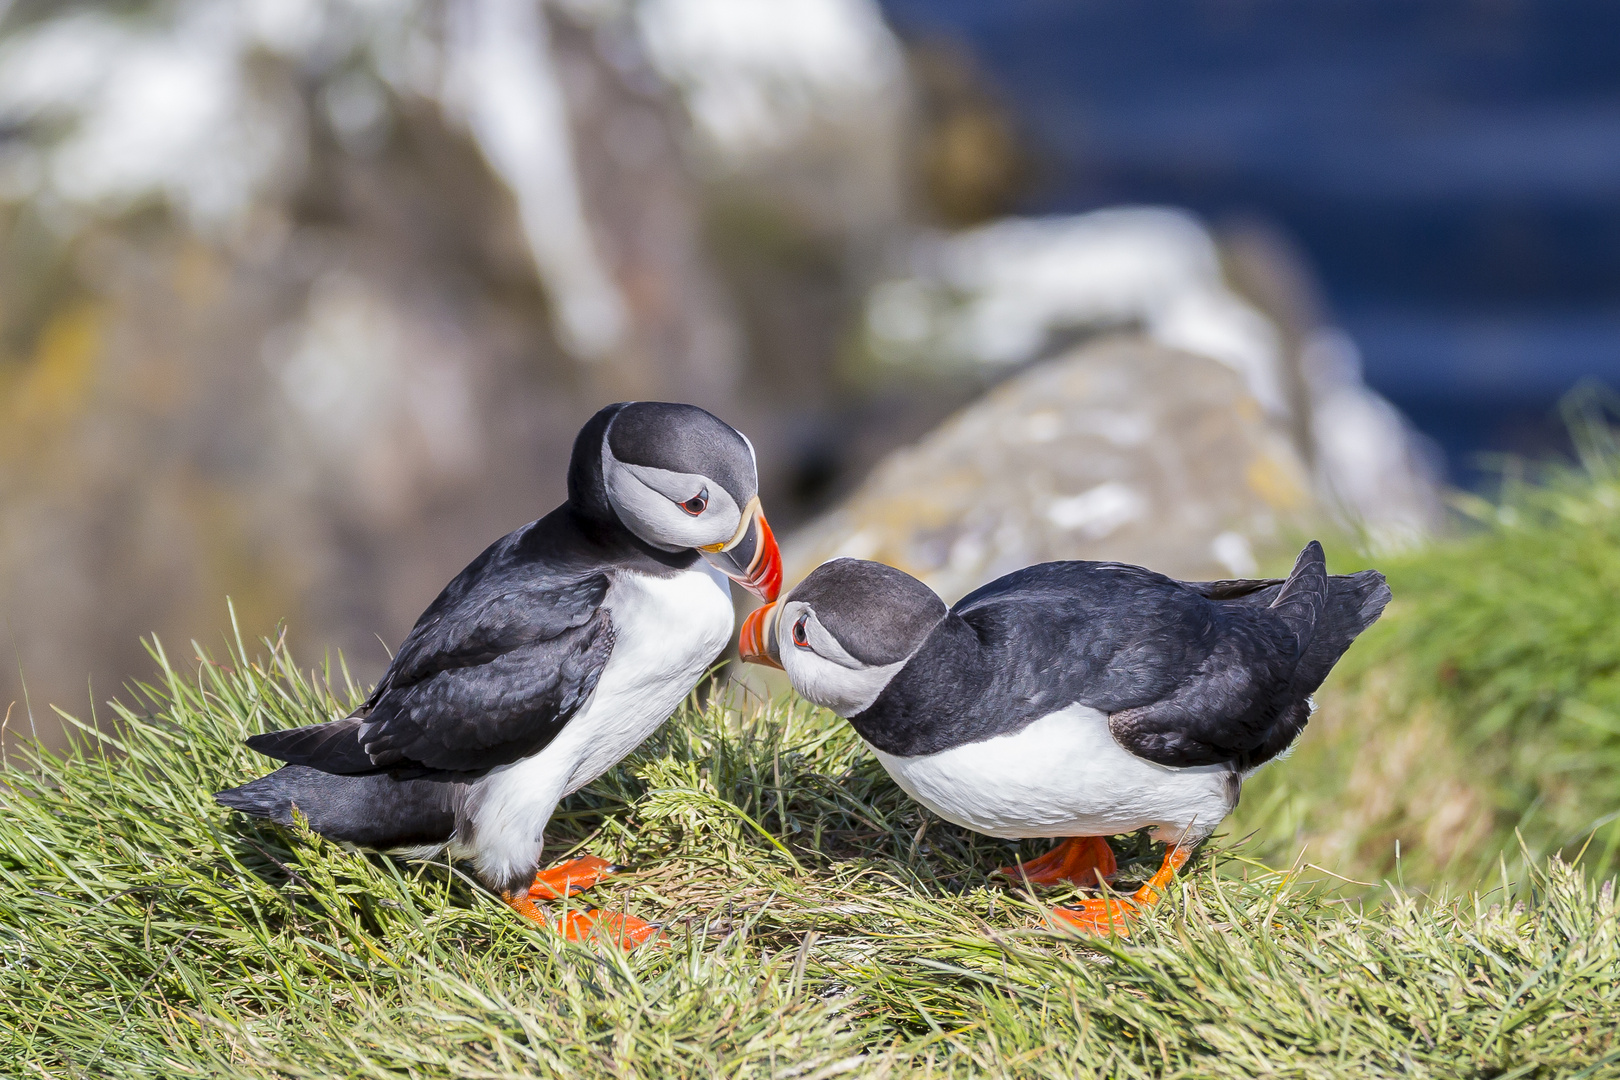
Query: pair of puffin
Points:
[1075, 700]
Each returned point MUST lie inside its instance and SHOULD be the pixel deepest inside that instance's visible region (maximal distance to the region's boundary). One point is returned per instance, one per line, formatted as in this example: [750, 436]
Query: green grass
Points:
[1486, 702]
[820, 925]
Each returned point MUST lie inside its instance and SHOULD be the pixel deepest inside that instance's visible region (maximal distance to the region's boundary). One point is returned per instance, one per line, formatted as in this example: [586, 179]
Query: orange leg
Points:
[573, 876]
[1106, 915]
[625, 931]
[1079, 860]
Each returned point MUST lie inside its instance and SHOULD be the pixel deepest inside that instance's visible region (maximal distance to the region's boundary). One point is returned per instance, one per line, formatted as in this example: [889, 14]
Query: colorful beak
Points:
[757, 642]
[750, 557]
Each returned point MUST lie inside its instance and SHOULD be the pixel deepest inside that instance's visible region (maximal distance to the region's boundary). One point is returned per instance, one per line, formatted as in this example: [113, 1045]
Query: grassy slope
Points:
[1487, 701]
[820, 924]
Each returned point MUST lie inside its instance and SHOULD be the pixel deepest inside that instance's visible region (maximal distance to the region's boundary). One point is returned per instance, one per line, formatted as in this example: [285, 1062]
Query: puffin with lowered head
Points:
[1078, 700]
[546, 661]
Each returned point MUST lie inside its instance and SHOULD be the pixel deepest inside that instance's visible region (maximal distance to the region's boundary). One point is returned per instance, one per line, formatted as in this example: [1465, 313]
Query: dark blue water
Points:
[1451, 169]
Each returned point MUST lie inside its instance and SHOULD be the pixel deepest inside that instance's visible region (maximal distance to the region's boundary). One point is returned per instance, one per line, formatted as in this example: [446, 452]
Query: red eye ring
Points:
[799, 637]
[697, 503]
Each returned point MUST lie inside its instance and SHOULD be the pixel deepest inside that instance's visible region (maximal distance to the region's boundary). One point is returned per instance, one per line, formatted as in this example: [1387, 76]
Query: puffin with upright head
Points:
[1071, 699]
[547, 660]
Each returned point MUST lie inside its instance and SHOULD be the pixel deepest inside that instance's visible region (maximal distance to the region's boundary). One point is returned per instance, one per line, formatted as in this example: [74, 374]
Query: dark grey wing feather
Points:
[1245, 702]
[470, 719]
[472, 626]
[493, 669]
[509, 676]
[332, 747]
[1235, 589]
[1303, 597]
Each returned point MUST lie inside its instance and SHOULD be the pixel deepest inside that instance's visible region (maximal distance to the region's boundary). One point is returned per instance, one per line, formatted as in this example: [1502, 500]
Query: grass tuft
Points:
[1484, 707]
[820, 925]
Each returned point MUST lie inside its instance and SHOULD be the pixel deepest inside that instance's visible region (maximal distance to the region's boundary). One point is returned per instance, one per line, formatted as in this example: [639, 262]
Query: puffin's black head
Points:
[844, 631]
[678, 478]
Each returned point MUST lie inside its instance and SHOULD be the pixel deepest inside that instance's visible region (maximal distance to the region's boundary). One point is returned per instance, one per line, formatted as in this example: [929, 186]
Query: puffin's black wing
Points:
[1231, 704]
[469, 719]
[1191, 673]
[491, 672]
[1232, 589]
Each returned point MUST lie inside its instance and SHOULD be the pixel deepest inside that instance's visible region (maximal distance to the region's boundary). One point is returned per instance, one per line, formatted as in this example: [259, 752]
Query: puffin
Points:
[1073, 700]
[546, 661]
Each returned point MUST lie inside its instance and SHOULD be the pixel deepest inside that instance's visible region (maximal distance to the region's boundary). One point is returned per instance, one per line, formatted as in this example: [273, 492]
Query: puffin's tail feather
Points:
[373, 811]
[332, 747]
[1300, 601]
[1354, 603]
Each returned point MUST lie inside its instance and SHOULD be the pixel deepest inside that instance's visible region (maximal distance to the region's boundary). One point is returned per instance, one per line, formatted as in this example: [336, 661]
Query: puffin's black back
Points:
[1191, 674]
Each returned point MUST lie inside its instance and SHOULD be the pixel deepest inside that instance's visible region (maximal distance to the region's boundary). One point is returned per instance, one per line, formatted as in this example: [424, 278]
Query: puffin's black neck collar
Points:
[587, 487]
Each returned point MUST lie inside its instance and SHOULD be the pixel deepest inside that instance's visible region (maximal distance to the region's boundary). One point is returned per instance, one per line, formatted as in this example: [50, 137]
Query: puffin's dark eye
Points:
[799, 637]
[697, 503]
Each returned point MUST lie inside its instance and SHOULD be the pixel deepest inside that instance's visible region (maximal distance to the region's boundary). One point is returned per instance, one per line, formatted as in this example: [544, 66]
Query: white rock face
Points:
[759, 74]
[166, 106]
[999, 294]
[150, 108]
[1010, 292]
[1367, 462]
[806, 99]
[500, 79]
[1123, 449]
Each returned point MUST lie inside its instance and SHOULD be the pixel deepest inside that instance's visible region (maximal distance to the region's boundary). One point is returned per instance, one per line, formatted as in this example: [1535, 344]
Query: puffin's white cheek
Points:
[846, 691]
[801, 673]
[657, 520]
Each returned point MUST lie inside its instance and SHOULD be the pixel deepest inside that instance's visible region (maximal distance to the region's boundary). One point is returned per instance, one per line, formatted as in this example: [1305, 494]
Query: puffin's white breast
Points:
[667, 631]
[1064, 775]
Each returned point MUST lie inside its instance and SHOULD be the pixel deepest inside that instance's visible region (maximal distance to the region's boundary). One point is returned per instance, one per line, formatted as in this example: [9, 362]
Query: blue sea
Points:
[1450, 170]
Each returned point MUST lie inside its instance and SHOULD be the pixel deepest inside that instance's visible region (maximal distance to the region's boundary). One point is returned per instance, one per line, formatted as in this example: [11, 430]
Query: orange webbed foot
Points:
[573, 876]
[625, 931]
[1085, 861]
[1103, 916]
[1099, 916]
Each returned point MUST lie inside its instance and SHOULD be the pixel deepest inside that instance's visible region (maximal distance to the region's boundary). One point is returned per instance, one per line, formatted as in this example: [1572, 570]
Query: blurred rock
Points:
[807, 100]
[1379, 476]
[1009, 293]
[302, 304]
[1121, 449]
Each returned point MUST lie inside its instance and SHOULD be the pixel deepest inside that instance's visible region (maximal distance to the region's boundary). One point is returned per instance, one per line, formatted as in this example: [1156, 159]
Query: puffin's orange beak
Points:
[757, 642]
[750, 557]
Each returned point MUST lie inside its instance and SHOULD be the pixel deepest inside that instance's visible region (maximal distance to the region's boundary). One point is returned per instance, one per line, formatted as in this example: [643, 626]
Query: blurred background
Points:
[302, 301]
